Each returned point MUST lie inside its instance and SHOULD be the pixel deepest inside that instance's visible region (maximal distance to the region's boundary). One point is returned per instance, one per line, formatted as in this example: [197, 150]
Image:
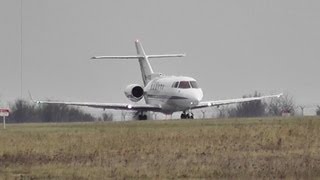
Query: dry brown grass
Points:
[236, 148]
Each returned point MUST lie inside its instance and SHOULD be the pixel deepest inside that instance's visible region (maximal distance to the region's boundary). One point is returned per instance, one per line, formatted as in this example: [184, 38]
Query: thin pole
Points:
[21, 73]
[4, 122]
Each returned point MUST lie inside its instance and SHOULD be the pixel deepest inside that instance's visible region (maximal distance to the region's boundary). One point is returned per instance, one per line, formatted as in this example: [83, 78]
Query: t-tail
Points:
[145, 67]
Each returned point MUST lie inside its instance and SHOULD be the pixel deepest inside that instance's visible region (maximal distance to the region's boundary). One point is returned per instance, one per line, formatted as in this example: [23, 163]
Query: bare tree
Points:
[23, 111]
[63, 113]
[123, 115]
[284, 104]
[302, 109]
[223, 111]
[107, 117]
[203, 111]
[249, 109]
[318, 111]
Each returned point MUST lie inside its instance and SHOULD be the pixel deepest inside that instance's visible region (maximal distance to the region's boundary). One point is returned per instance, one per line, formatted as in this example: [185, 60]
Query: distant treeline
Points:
[24, 111]
[270, 107]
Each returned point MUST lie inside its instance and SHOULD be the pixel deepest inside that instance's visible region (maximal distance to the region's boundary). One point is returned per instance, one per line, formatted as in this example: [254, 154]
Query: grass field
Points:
[223, 148]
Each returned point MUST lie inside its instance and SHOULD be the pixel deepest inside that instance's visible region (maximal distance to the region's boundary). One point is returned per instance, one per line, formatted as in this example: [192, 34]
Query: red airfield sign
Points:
[4, 112]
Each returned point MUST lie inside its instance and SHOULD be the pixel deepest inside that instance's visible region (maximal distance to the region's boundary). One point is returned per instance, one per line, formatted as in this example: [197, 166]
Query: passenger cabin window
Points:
[194, 84]
[184, 85]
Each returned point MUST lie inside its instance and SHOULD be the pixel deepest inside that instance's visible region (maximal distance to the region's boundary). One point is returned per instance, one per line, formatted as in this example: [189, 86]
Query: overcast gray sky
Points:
[233, 47]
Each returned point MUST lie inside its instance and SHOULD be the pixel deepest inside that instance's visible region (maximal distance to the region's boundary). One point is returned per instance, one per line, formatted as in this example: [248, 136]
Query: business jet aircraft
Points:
[165, 94]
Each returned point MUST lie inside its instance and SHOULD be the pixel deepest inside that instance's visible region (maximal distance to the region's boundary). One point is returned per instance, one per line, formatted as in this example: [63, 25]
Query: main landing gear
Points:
[142, 116]
[185, 115]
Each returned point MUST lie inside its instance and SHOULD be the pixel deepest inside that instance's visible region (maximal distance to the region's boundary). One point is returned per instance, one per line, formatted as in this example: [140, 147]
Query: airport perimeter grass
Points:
[224, 148]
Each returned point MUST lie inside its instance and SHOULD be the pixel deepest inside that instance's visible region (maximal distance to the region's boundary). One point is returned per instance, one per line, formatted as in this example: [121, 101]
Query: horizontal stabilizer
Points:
[143, 59]
[116, 57]
[139, 56]
[166, 55]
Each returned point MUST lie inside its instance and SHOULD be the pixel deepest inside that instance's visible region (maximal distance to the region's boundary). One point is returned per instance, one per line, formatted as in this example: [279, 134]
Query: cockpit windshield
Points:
[185, 84]
[194, 84]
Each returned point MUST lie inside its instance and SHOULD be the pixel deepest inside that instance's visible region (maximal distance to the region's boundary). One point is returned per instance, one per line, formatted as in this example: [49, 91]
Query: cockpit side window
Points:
[194, 84]
[176, 84]
[184, 84]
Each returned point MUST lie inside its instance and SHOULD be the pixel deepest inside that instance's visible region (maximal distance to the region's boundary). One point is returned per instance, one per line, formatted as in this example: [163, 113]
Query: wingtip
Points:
[279, 95]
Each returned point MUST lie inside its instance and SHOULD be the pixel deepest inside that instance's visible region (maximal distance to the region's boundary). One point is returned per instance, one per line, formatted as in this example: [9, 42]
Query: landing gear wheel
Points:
[183, 116]
[190, 116]
[186, 115]
[142, 117]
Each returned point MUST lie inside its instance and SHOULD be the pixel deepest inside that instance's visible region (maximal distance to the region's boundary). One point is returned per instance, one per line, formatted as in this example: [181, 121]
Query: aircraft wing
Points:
[118, 106]
[232, 101]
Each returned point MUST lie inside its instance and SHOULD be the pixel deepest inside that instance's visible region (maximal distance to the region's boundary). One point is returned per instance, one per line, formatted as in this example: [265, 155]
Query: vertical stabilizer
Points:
[145, 67]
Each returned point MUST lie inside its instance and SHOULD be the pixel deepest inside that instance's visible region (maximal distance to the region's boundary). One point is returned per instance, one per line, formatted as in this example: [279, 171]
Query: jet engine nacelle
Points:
[134, 92]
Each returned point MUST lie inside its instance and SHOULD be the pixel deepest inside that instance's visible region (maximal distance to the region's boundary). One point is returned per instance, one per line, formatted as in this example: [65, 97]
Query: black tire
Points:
[142, 117]
[183, 116]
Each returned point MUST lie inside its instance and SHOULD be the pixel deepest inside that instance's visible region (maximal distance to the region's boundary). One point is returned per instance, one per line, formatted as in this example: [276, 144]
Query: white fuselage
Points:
[173, 93]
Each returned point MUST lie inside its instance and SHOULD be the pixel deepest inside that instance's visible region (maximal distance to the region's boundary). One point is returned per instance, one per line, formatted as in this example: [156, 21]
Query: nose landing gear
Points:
[185, 115]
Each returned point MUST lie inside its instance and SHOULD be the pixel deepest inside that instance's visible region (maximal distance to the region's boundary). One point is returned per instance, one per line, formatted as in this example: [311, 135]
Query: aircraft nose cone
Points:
[196, 97]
